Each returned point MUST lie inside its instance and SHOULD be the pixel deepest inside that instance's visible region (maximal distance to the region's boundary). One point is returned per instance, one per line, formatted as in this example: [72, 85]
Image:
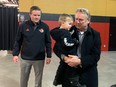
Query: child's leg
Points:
[59, 73]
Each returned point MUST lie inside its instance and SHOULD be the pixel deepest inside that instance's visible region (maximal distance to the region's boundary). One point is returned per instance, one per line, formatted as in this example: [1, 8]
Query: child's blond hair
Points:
[65, 17]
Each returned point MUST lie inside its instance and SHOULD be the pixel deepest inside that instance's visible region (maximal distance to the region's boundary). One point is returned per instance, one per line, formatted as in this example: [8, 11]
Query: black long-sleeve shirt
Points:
[33, 41]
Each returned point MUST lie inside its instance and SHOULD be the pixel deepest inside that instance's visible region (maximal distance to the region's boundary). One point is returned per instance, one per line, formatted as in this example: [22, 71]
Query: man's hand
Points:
[15, 59]
[48, 60]
[66, 58]
[73, 60]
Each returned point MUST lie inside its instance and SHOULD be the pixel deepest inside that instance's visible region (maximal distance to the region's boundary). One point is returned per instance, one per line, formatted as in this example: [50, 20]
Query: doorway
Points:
[112, 37]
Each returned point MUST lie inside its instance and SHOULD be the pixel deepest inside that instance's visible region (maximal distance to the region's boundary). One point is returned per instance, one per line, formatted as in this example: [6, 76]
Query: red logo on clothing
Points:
[27, 30]
[41, 30]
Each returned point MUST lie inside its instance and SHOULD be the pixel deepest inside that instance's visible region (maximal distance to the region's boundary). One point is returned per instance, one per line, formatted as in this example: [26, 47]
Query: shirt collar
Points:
[31, 22]
[82, 32]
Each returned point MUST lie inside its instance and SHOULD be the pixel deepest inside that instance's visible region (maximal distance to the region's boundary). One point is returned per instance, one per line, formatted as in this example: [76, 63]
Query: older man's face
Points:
[81, 21]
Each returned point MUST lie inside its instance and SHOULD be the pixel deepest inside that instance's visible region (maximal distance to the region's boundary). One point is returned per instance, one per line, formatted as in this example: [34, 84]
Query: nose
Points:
[77, 21]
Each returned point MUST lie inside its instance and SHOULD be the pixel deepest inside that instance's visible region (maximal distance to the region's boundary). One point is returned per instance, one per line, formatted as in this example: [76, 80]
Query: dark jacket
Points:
[90, 55]
[32, 41]
[66, 45]
[64, 42]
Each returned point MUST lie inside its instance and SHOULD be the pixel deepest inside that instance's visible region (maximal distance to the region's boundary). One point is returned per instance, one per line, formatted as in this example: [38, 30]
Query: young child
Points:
[65, 44]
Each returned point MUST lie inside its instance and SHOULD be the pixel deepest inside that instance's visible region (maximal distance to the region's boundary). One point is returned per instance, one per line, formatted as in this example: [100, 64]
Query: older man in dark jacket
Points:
[88, 51]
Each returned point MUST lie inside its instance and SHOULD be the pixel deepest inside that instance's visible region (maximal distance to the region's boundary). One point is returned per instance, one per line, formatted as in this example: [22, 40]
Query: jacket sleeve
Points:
[67, 40]
[48, 43]
[18, 42]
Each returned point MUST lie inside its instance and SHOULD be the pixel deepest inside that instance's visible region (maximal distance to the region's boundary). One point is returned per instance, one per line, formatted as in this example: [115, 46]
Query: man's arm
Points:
[17, 45]
[48, 45]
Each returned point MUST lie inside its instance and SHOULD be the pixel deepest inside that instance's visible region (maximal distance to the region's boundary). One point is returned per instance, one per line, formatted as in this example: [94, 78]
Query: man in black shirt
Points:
[32, 41]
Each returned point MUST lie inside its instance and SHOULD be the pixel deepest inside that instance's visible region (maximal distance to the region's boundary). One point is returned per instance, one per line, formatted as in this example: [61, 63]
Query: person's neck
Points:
[35, 23]
[63, 27]
[83, 29]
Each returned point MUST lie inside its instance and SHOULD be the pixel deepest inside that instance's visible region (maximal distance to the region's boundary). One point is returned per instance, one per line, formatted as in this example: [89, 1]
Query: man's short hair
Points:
[34, 8]
[84, 11]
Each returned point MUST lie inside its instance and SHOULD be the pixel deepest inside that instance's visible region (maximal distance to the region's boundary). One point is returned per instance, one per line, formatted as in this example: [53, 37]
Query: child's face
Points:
[68, 24]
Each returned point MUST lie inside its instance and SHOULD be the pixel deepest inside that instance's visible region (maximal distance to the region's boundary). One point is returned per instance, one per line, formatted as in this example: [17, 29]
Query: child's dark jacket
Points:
[64, 42]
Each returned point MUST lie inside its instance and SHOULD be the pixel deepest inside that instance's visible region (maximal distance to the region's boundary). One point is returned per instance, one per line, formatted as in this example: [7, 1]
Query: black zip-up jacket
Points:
[33, 41]
[65, 44]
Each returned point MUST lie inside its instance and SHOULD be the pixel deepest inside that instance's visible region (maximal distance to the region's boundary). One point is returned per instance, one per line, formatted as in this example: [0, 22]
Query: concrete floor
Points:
[10, 72]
